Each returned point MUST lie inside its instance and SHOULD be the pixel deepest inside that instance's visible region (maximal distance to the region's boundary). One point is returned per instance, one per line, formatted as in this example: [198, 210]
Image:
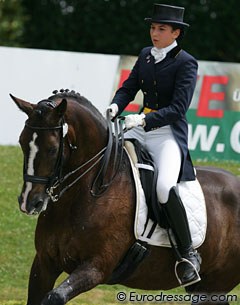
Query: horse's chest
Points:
[69, 260]
[68, 243]
[66, 247]
[63, 251]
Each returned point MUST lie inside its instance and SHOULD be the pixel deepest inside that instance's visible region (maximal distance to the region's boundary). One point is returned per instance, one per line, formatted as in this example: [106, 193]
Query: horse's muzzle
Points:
[34, 205]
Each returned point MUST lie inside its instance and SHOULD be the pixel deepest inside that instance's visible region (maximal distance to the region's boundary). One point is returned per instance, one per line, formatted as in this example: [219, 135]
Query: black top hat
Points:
[163, 13]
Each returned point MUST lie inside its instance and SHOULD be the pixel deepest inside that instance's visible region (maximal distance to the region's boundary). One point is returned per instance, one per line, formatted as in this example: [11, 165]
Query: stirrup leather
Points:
[196, 279]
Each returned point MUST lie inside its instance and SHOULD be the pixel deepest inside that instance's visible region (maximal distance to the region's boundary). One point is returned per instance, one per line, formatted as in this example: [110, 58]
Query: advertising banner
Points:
[214, 114]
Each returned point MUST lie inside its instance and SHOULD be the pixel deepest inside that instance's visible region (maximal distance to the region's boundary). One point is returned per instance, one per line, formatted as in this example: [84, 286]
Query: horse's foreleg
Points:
[41, 281]
[84, 278]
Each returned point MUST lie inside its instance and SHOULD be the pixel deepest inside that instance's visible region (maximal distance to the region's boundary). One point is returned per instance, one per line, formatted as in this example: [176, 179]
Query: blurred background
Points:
[90, 46]
[117, 26]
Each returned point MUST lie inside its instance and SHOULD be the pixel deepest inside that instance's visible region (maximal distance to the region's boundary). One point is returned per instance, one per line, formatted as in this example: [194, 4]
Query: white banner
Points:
[32, 75]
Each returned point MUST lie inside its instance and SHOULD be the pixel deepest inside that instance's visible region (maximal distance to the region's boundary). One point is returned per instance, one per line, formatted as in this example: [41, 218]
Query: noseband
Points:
[56, 179]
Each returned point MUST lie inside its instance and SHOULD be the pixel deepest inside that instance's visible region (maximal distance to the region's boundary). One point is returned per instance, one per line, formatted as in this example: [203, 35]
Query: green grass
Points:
[17, 239]
[16, 230]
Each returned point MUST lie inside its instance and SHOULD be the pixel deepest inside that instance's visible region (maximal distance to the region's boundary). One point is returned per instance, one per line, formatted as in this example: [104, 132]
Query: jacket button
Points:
[145, 93]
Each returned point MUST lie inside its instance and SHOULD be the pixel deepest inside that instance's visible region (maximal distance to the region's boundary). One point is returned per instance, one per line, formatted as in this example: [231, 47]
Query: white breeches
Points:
[166, 154]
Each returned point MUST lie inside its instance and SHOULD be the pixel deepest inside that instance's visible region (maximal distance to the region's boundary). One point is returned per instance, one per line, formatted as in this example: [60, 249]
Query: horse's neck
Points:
[88, 138]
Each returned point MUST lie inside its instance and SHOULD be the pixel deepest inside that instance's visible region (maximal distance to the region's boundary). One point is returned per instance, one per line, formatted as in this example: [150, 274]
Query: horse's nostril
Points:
[39, 205]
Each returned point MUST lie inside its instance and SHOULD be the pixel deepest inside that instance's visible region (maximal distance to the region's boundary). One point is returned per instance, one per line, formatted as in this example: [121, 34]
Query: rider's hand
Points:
[113, 110]
[134, 120]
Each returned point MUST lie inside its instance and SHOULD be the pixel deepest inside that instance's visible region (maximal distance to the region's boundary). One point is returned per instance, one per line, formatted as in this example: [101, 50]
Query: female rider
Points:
[167, 76]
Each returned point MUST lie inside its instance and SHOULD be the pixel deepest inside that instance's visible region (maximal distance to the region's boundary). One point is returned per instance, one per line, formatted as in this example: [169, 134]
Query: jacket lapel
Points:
[170, 58]
[149, 62]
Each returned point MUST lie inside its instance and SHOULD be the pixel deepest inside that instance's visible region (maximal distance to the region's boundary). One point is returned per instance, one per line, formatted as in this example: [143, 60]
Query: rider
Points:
[167, 76]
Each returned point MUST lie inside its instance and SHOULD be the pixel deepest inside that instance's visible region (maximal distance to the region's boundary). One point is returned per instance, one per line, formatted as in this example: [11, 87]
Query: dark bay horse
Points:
[85, 233]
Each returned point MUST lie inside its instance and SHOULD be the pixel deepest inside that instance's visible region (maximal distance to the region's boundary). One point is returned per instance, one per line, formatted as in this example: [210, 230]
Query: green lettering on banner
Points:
[214, 139]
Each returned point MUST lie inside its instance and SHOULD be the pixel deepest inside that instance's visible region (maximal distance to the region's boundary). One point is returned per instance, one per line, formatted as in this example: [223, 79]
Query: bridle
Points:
[58, 165]
[98, 186]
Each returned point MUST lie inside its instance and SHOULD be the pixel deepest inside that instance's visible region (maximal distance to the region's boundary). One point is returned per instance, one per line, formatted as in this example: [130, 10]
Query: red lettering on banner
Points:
[123, 76]
[130, 107]
[133, 108]
[207, 95]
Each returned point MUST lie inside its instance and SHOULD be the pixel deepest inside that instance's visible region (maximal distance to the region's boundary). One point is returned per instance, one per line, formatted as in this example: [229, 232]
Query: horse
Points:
[85, 220]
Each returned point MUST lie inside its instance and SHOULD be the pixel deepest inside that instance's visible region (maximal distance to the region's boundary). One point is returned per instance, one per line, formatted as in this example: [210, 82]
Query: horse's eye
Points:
[52, 151]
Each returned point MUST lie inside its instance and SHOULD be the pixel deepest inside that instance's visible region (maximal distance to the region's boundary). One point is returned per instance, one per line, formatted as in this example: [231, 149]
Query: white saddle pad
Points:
[194, 203]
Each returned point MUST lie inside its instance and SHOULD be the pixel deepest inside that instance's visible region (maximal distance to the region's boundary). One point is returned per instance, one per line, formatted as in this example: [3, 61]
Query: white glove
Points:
[113, 110]
[134, 120]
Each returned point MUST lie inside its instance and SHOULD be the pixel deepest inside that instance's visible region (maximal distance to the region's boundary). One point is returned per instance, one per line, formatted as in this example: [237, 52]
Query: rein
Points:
[50, 190]
[98, 185]
[119, 144]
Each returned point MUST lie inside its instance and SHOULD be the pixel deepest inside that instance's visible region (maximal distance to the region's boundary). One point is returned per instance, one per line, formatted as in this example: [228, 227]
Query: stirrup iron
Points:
[195, 280]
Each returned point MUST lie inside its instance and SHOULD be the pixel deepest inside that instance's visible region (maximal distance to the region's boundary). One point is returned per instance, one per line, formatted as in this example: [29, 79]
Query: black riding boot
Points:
[177, 218]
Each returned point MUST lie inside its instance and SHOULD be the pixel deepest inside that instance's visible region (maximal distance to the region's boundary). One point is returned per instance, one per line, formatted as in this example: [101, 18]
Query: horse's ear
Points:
[23, 105]
[62, 107]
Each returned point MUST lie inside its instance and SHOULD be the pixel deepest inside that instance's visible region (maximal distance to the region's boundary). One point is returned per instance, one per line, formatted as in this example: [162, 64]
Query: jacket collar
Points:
[170, 56]
[174, 52]
[165, 62]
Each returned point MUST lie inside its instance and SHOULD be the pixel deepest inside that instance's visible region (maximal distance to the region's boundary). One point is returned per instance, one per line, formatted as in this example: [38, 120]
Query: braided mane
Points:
[66, 93]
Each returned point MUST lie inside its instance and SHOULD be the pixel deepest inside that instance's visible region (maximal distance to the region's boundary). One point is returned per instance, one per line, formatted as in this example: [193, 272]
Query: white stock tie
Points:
[158, 54]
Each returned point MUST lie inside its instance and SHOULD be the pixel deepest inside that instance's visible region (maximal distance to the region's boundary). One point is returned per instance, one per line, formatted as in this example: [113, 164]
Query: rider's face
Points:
[163, 35]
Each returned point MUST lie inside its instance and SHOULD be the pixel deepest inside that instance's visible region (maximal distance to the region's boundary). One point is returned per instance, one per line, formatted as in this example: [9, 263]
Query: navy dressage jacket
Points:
[167, 87]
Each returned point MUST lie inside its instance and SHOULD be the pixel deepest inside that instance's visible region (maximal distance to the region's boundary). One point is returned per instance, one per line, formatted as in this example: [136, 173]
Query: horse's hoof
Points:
[53, 298]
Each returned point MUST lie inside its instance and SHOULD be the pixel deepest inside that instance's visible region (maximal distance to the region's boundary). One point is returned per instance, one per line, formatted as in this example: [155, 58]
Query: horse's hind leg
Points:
[41, 281]
[84, 278]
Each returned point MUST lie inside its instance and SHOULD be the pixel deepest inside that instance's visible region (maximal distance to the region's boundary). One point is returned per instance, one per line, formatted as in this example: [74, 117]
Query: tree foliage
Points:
[12, 22]
[117, 26]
